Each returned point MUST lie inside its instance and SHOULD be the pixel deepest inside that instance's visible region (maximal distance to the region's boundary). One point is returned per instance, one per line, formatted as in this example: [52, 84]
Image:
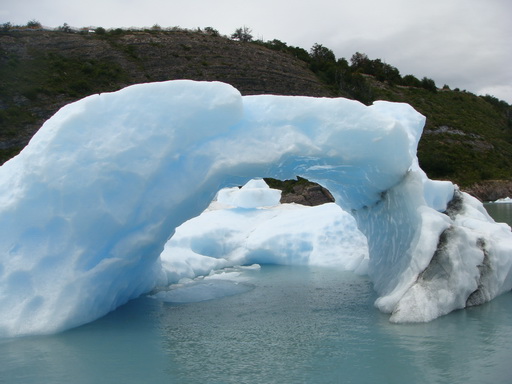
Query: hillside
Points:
[467, 139]
[40, 71]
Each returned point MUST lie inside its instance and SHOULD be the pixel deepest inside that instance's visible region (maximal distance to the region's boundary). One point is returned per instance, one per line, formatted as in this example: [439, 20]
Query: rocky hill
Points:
[40, 71]
[467, 138]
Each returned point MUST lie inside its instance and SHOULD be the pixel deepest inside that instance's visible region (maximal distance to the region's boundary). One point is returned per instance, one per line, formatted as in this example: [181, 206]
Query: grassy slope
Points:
[466, 139]
[36, 83]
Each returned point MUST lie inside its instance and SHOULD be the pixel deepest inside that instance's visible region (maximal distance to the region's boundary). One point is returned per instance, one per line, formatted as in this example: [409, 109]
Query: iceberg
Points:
[87, 208]
[248, 225]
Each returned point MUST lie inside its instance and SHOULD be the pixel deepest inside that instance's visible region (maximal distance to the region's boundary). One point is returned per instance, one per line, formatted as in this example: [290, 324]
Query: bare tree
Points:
[242, 34]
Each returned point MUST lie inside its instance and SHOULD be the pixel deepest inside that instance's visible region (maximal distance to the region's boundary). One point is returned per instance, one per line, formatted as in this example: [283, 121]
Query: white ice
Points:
[87, 207]
[248, 225]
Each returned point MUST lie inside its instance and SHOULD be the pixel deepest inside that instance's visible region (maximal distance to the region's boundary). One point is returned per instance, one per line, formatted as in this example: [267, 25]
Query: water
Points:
[284, 325]
[501, 212]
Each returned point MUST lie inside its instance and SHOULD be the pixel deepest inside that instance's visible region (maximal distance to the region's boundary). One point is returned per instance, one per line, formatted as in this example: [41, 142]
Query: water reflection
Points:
[298, 325]
[122, 347]
[467, 346]
[322, 327]
[501, 212]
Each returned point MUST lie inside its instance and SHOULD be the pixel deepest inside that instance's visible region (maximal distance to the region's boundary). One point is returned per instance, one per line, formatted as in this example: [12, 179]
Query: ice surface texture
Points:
[249, 225]
[87, 207]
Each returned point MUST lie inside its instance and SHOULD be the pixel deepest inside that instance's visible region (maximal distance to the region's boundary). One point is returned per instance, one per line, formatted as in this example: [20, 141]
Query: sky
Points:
[465, 44]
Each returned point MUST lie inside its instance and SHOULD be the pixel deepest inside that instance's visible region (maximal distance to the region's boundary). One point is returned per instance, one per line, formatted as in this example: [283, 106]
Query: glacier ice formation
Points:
[88, 206]
[249, 225]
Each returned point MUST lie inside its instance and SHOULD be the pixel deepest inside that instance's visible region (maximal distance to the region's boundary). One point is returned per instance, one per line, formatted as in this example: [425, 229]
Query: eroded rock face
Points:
[490, 190]
[308, 195]
[301, 191]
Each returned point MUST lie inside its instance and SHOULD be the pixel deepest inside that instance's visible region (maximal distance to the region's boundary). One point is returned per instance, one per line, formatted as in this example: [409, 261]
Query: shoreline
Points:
[490, 190]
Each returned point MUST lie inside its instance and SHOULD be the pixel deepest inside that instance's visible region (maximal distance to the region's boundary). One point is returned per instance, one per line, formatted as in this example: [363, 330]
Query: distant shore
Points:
[490, 190]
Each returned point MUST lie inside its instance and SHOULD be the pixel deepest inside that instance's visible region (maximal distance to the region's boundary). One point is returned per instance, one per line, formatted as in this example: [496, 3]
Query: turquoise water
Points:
[291, 325]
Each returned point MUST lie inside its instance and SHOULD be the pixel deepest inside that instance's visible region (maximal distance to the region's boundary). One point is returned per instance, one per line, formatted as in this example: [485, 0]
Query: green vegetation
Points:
[467, 138]
[242, 34]
[49, 75]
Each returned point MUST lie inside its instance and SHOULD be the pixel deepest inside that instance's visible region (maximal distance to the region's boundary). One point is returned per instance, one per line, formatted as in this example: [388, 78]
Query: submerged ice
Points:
[88, 207]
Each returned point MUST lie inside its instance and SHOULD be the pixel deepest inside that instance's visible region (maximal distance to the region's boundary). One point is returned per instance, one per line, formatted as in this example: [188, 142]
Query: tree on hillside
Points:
[211, 31]
[277, 45]
[411, 81]
[65, 28]
[34, 24]
[358, 59]
[242, 34]
[323, 63]
[382, 71]
[499, 104]
[429, 84]
[320, 53]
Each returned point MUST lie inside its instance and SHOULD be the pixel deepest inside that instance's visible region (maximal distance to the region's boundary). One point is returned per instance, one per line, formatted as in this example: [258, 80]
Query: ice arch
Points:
[87, 206]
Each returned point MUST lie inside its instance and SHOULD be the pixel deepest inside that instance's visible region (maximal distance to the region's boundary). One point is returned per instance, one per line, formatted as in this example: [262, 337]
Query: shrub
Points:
[242, 34]
[411, 81]
[211, 31]
[65, 28]
[428, 84]
[34, 24]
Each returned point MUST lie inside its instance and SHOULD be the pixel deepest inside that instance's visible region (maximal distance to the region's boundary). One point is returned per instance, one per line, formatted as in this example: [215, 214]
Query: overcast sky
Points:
[462, 43]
